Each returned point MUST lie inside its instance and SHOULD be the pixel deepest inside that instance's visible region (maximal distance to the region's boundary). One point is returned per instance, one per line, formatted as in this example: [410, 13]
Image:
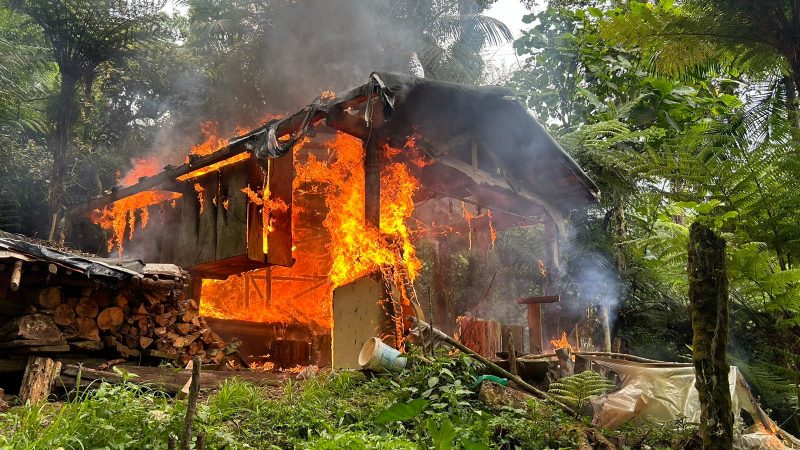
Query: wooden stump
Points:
[40, 374]
[482, 336]
[321, 350]
[566, 367]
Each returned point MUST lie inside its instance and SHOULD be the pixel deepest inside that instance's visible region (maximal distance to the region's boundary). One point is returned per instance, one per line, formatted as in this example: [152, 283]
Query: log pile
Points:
[149, 319]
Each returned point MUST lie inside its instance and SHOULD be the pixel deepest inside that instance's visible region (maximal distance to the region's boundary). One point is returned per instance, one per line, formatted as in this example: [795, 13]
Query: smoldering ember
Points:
[590, 244]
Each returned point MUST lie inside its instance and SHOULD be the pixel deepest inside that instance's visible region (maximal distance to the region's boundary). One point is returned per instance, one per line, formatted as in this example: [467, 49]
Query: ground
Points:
[426, 406]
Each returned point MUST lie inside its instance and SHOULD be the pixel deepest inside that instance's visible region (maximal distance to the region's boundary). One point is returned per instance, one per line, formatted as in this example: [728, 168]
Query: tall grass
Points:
[331, 411]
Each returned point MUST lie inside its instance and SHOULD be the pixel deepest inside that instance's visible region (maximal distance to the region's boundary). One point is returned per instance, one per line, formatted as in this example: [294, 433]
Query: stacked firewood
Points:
[134, 322]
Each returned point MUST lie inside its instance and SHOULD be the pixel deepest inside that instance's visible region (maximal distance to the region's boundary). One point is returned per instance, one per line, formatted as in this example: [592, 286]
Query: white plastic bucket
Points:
[379, 357]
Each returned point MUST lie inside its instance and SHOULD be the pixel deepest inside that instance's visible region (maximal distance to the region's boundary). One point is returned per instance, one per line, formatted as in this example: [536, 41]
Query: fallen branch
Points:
[625, 356]
[497, 370]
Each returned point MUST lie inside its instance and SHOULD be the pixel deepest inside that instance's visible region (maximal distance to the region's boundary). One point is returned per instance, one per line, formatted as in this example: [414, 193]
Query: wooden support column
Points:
[442, 280]
[551, 262]
[372, 182]
[196, 287]
[551, 256]
[535, 331]
[535, 319]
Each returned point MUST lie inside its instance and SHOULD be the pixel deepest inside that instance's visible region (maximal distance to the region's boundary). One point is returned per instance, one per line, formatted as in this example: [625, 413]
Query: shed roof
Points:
[22, 248]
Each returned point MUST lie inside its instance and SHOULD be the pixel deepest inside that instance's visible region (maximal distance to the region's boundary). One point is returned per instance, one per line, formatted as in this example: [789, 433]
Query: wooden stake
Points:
[512, 352]
[191, 408]
[38, 379]
[16, 276]
[606, 327]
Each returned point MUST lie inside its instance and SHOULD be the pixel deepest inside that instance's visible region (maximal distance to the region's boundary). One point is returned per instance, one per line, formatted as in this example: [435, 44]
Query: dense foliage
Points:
[681, 117]
[428, 406]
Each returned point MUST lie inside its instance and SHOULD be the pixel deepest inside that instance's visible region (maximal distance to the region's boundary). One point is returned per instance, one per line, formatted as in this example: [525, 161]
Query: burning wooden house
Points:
[280, 225]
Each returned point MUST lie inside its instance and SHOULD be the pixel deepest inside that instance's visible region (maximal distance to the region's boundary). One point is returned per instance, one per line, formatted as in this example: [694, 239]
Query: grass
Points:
[332, 411]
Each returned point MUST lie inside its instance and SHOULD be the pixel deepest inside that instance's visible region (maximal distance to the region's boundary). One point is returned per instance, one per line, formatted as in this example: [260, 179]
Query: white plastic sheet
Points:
[665, 392]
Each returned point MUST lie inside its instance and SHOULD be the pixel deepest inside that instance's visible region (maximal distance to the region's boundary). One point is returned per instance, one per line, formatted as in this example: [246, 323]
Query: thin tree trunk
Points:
[65, 112]
[708, 296]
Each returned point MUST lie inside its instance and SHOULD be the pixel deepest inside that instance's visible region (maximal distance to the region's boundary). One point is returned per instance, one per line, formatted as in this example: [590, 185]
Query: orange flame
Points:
[332, 243]
[143, 167]
[121, 215]
[200, 197]
[212, 140]
[561, 343]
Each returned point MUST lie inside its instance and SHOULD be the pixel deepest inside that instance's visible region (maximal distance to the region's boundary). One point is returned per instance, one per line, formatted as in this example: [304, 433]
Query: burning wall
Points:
[332, 243]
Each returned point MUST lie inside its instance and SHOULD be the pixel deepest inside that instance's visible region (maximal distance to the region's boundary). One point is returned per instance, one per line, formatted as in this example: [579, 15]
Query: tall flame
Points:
[333, 250]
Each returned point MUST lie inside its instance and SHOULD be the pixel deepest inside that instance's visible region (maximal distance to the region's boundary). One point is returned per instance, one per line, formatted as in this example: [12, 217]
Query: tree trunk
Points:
[65, 113]
[708, 296]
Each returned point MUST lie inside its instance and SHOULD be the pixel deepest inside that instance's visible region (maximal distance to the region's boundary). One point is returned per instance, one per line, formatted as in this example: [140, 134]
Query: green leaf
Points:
[684, 90]
[432, 381]
[442, 436]
[596, 12]
[473, 445]
[402, 411]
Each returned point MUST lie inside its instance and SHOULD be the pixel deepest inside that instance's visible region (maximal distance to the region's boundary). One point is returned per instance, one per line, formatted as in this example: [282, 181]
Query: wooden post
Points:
[191, 408]
[442, 264]
[196, 287]
[535, 320]
[512, 352]
[551, 263]
[40, 373]
[372, 182]
[708, 297]
[535, 328]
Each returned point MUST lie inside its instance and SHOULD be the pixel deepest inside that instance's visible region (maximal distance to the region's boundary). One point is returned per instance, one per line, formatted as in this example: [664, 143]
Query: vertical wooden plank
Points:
[372, 182]
[551, 256]
[279, 240]
[255, 219]
[551, 262]
[535, 328]
[207, 229]
[442, 317]
[40, 374]
[186, 250]
[232, 220]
